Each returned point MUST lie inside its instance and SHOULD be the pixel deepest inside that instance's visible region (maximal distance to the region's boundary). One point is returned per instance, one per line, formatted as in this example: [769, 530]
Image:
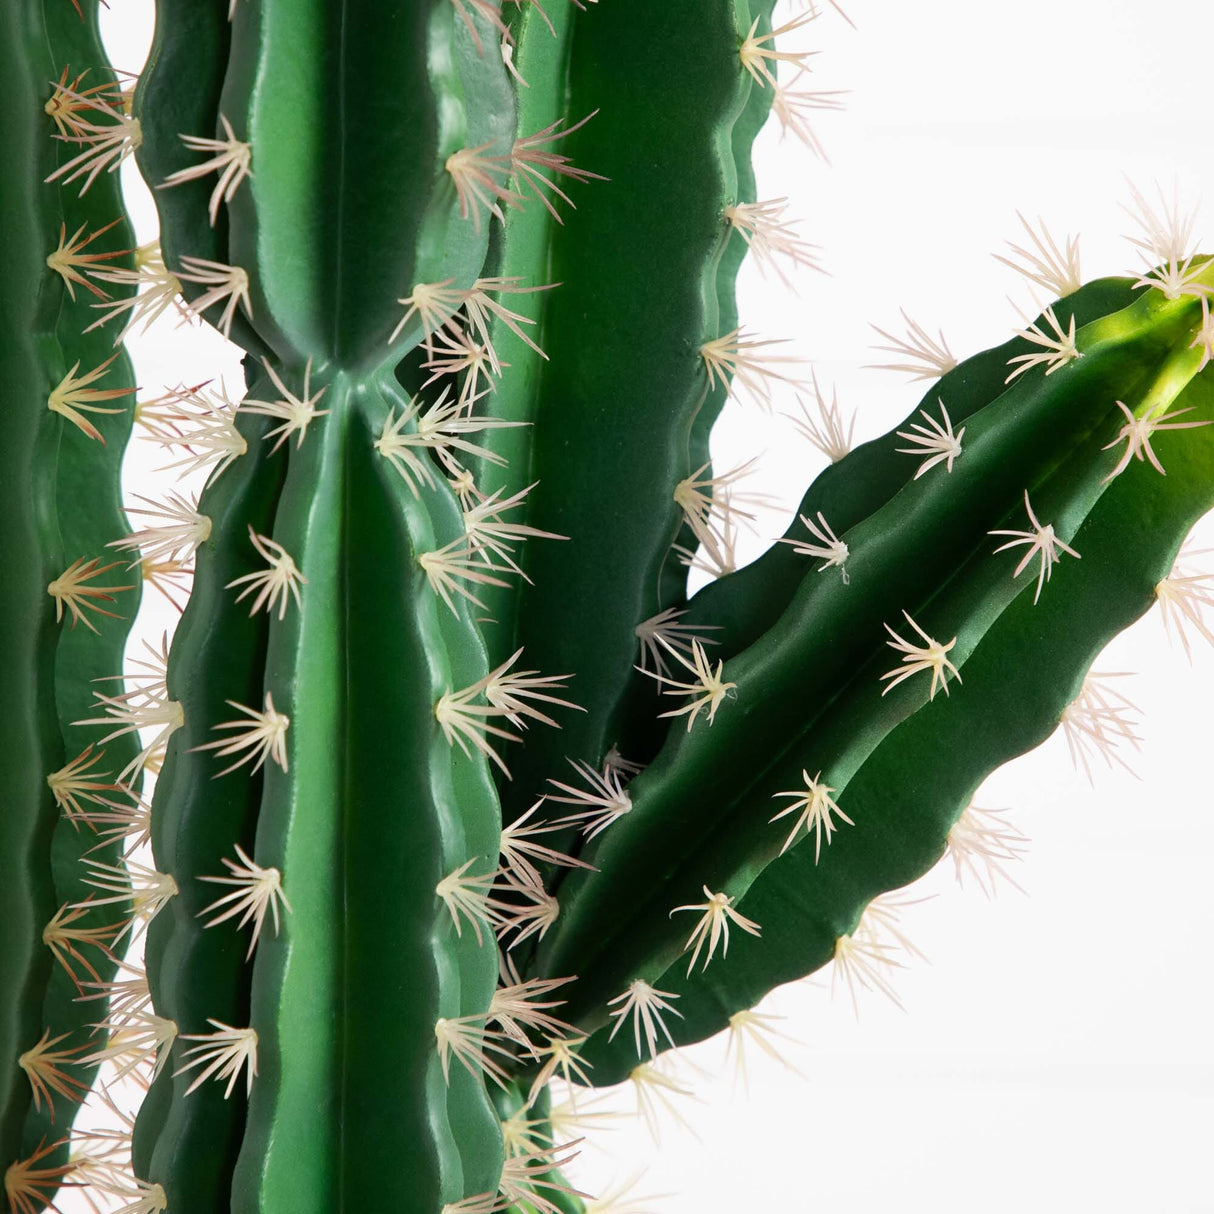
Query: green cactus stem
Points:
[66, 599]
[462, 791]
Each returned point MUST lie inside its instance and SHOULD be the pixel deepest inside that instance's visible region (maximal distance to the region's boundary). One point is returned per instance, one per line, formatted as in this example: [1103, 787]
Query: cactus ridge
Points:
[462, 791]
[67, 602]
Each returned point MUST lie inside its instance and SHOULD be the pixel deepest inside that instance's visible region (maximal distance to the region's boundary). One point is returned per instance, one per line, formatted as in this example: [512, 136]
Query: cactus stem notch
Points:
[654, 1088]
[1045, 264]
[771, 237]
[825, 429]
[69, 259]
[1183, 598]
[1056, 351]
[134, 1042]
[531, 158]
[1097, 721]
[467, 897]
[863, 962]
[930, 357]
[65, 940]
[463, 722]
[145, 889]
[28, 1187]
[738, 360]
[646, 1006]
[665, 625]
[518, 849]
[71, 395]
[223, 282]
[980, 842]
[1136, 434]
[827, 547]
[1165, 241]
[43, 1066]
[155, 288]
[472, 1044]
[70, 589]
[481, 183]
[758, 1027]
[707, 691]
[107, 145]
[276, 584]
[793, 107]
[759, 56]
[182, 533]
[603, 802]
[523, 1176]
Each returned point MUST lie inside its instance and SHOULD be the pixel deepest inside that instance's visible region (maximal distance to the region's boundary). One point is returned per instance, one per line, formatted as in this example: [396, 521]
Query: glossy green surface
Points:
[615, 405]
[350, 1107]
[59, 493]
[196, 973]
[743, 605]
[807, 690]
[920, 778]
[351, 108]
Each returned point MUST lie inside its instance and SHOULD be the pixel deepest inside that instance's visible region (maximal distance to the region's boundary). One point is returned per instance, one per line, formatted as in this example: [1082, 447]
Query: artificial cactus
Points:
[487, 303]
[68, 599]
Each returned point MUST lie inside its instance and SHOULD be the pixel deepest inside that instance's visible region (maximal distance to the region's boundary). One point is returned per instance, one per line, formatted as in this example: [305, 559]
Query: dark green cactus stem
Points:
[360, 195]
[920, 779]
[361, 802]
[806, 695]
[65, 600]
[621, 407]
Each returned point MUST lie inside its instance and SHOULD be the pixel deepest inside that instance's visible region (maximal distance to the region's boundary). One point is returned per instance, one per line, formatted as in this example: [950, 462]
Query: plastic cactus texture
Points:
[459, 788]
[70, 791]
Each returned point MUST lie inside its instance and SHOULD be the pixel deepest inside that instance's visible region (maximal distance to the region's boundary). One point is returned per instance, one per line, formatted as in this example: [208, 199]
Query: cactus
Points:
[440, 683]
[68, 599]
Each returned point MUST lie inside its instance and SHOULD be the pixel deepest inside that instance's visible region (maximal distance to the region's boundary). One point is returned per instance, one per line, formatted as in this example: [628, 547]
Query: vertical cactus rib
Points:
[178, 98]
[66, 609]
[357, 802]
[368, 953]
[195, 972]
[614, 405]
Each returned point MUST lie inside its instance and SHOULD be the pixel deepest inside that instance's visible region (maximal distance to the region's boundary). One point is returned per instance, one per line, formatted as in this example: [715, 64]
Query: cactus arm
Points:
[62, 505]
[1013, 443]
[743, 605]
[911, 790]
[614, 405]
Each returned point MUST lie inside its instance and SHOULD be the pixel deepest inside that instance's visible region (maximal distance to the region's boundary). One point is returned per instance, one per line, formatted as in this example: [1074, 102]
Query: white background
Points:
[1056, 1053]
